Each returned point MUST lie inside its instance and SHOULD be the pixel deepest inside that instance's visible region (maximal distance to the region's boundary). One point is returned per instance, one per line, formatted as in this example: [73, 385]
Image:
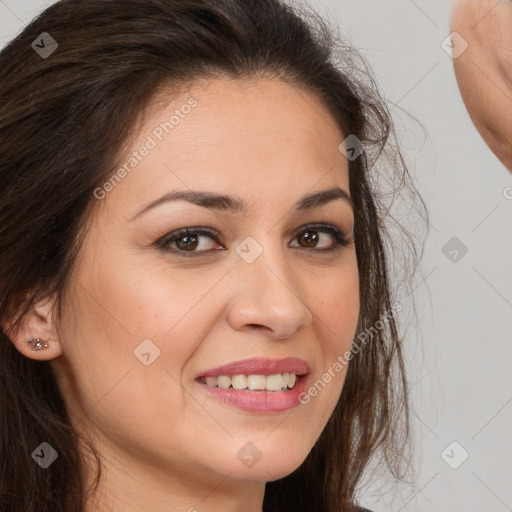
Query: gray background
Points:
[460, 350]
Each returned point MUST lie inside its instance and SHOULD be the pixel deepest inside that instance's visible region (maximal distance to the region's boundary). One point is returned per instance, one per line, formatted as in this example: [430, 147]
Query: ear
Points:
[38, 322]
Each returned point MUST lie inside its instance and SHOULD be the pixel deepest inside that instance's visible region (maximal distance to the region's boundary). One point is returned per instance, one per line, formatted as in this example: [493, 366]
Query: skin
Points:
[484, 70]
[165, 444]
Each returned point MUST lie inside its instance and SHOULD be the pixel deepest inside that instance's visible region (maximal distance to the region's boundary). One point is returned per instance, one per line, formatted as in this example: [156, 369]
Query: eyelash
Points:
[340, 239]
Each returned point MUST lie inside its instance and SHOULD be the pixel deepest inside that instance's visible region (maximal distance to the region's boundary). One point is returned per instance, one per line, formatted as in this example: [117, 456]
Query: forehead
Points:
[247, 137]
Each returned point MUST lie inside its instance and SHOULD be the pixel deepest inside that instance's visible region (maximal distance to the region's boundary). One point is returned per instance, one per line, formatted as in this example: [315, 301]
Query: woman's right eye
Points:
[187, 241]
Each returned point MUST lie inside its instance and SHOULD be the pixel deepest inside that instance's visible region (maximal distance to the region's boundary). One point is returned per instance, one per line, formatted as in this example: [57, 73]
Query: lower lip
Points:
[263, 402]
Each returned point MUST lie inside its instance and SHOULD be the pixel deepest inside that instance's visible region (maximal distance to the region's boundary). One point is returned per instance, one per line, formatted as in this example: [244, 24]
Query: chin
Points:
[265, 472]
[266, 465]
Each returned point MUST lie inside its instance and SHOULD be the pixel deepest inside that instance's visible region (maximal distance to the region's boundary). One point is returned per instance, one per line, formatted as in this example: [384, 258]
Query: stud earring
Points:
[38, 344]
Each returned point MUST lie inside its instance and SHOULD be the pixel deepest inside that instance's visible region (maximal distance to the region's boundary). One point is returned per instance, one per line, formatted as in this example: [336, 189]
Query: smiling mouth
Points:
[264, 383]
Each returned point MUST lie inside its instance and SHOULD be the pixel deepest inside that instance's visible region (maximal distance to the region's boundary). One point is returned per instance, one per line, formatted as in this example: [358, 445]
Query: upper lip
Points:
[260, 366]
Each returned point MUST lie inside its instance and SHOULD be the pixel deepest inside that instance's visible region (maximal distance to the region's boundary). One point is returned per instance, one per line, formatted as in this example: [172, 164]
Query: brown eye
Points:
[309, 237]
[188, 241]
[312, 236]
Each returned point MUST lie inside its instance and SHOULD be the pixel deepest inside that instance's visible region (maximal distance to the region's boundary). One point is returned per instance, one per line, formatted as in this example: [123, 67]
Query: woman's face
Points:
[144, 320]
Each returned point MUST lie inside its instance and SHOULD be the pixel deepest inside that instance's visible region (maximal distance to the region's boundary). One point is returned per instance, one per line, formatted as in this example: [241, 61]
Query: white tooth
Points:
[211, 381]
[239, 381]
[274, 382]
[256, 381]
[224, 381]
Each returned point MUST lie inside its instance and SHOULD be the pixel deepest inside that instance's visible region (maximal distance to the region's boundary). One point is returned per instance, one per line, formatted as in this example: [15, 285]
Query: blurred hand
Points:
[484, 70]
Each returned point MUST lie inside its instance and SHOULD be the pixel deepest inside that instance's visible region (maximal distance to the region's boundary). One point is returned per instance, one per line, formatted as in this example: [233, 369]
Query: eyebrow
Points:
[236, 205]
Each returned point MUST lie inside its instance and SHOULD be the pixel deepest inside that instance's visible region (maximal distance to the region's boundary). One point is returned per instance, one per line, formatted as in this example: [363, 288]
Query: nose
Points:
[267, 297]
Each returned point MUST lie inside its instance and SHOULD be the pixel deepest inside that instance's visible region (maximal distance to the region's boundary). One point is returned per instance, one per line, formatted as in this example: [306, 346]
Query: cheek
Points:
[116, 318]
[337, 306]
[129, 338]
[156, 303]
[338, 313]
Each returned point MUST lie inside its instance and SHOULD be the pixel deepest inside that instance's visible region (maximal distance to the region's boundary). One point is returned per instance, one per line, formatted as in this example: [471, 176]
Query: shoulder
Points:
[363, 510]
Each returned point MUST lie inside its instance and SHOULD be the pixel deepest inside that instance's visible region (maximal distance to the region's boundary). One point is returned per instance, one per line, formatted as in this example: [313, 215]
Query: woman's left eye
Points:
[187, 241]
[311, 237]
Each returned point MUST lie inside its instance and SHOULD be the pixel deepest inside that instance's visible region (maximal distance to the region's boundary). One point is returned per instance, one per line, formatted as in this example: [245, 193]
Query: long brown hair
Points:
[64, 121]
